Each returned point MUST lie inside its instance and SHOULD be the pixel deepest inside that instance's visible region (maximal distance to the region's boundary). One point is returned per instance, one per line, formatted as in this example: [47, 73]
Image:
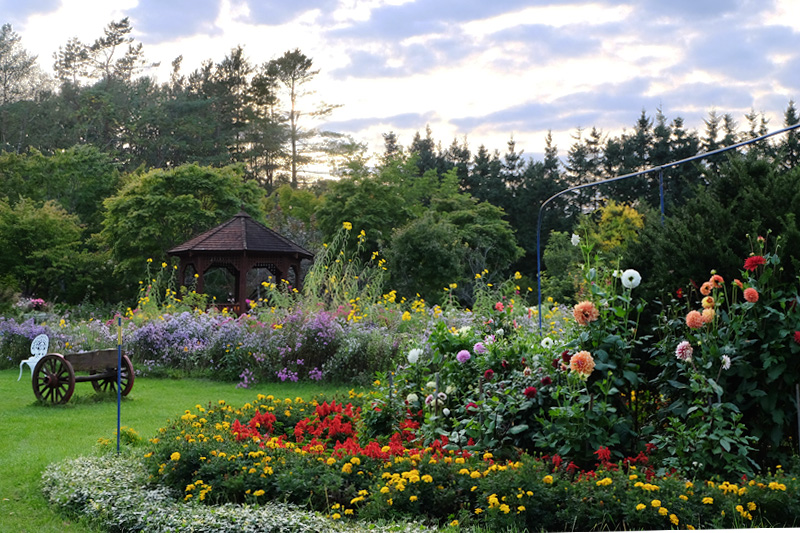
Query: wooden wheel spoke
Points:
[54, 379]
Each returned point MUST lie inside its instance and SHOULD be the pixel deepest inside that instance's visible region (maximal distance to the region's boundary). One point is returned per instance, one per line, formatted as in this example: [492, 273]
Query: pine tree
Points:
[790, 148]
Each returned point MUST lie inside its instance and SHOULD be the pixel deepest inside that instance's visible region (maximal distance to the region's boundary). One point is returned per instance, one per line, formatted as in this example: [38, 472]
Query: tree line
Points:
[224, 112]
[103, 168]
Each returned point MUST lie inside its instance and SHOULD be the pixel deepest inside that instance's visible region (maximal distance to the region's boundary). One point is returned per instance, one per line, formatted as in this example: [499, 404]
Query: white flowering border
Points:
[111, 492]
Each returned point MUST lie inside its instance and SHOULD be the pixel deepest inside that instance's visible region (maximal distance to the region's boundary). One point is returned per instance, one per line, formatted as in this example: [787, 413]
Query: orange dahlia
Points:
[694, 319]
[585, 312]
[705, 288]
[582, 364]
[751, 295]
[716, 281]
[708, 315]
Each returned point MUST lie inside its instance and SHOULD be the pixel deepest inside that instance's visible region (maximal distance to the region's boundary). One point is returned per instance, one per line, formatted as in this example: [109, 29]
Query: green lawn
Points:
[33, 435]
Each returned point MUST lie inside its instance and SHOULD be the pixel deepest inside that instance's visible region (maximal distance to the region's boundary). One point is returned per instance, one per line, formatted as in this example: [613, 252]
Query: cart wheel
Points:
[110, 384]
[53, 379]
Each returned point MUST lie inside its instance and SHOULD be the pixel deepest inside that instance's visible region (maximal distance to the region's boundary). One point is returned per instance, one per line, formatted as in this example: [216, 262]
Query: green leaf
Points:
[518, 429]
[632, 377]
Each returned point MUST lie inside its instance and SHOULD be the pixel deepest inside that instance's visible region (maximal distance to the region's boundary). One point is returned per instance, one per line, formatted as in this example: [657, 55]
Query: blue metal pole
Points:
[119, 377]
[661, 191]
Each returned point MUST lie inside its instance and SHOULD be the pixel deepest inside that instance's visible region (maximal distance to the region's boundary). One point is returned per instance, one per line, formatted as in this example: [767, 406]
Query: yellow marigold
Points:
[384, 490]
[258, 493]
[683, 497]
[663, 511]
[585, 312]
[694, 320]
[331, 461]
[605, 481]
[656, 503]
[708, 500]
[348, 226]
[582, 364]
[774, 485]
[689, 527]
[176, 456]
[347, 468]
[427, 478]
[413, 498]
[751, 506]
[674, 519]
[548, 479]
[505, 508]
[640, 506]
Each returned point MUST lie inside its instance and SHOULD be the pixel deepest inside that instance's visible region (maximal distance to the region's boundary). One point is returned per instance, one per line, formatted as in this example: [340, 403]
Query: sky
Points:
[482, 70]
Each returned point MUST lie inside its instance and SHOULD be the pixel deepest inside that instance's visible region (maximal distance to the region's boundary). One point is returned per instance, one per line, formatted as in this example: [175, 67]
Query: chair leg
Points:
[20, 370]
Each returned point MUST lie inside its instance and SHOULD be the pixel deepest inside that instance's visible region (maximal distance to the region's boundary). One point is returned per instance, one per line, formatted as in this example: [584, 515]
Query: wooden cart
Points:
[54, 376]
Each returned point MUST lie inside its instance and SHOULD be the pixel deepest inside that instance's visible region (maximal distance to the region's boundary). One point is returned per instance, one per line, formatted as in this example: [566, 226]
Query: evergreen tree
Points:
[789, 150]
[425, 150]
[459, 156]
[293, 71]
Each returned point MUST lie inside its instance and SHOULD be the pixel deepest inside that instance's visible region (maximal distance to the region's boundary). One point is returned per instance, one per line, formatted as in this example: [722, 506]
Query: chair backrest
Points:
[39, 345]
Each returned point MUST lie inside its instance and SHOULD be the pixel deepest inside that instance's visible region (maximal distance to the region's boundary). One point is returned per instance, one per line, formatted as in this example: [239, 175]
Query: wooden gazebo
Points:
[240, 245]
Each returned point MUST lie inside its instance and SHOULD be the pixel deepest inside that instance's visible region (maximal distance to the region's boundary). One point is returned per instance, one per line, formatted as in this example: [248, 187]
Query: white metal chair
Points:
[38, 350]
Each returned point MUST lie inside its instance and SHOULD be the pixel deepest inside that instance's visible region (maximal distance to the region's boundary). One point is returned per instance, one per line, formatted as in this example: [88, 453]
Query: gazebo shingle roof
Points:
[241, 233]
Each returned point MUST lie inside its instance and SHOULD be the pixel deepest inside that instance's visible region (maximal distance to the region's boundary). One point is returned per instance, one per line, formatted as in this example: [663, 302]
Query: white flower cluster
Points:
[110, 491]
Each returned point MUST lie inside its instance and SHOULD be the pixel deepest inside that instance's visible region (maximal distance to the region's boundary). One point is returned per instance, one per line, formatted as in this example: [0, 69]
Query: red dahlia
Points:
[753, 262]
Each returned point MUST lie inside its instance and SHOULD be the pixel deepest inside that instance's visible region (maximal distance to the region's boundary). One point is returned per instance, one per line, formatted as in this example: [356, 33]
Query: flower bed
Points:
[307, 454]
[112, 493]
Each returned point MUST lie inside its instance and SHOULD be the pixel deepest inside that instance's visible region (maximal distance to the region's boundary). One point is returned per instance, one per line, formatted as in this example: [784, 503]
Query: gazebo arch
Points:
[240, 245]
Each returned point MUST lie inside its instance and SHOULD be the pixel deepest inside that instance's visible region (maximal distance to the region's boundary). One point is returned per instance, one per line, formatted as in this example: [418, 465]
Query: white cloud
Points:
[579, 64]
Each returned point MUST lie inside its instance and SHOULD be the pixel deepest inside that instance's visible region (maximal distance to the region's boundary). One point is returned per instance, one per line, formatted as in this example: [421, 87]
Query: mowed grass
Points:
[33, 435]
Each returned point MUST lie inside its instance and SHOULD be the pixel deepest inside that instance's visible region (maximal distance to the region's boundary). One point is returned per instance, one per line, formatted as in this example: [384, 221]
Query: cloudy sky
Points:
[484, 69]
